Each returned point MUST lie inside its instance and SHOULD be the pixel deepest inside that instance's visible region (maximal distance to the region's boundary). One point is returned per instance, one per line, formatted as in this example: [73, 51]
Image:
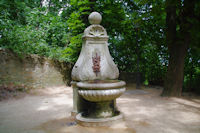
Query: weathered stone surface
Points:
[95, 18]
[32, 71]
[94, 46]
[102, 84]
[101, 91]
[101, 95]
[95, 74]
[93, 122]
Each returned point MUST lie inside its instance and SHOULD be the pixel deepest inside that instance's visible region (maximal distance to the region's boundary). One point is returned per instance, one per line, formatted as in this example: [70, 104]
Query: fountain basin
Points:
[101, 90]
[100, 96]
[101, 84]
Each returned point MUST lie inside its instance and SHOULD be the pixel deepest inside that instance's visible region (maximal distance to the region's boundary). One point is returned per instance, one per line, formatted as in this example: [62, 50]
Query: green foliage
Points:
[76, 14]
[141, 39]
[192, 71]
[44, 34]
[136, 32]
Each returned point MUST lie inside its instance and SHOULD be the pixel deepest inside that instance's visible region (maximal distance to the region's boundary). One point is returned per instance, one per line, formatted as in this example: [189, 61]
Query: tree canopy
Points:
[136, 29]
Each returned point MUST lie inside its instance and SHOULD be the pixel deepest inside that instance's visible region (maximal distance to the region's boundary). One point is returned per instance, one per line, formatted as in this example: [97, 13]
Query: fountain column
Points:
[95, 84]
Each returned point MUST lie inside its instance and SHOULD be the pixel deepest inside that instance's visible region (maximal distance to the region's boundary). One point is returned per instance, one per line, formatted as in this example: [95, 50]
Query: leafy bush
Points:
[44, 34]
[135, 29]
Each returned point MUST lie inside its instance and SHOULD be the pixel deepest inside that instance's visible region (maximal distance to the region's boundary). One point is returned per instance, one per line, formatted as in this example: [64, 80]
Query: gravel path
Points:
[48, 111]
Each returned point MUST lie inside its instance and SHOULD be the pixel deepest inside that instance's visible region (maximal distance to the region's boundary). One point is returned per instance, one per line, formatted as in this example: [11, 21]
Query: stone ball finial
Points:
[95, 18]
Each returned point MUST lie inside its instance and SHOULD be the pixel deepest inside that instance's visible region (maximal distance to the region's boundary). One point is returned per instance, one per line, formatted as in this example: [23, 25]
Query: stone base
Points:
[98, 122]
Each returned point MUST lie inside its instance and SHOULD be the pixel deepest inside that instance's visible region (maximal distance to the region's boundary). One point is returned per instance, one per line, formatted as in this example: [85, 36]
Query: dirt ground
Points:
[49, 110]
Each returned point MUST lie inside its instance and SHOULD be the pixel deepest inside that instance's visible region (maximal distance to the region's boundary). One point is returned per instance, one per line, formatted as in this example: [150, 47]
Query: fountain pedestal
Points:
[95, 84]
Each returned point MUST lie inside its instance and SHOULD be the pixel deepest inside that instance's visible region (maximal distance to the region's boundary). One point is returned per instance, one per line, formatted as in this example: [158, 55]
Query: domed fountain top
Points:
[95, 61]
[95, 18]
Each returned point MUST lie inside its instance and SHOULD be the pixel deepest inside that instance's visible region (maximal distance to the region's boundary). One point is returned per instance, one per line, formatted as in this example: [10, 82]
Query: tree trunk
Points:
[174, 78]
[178, 42]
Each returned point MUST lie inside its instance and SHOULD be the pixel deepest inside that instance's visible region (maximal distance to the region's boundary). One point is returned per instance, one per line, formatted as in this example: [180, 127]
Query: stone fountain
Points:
[95, 84]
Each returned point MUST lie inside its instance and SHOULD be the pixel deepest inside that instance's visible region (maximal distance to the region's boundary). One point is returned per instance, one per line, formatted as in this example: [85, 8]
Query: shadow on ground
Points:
[48, 111]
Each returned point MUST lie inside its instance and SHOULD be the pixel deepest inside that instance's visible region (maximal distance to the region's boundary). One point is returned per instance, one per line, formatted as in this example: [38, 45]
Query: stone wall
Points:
[39, 72]
[32, 71]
